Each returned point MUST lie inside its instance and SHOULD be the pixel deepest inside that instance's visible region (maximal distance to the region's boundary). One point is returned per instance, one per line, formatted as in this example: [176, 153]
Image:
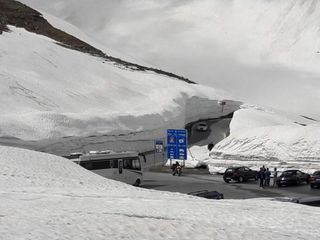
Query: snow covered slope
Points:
[51, 91]
[47, 197]
[263, 137]
[263, 52]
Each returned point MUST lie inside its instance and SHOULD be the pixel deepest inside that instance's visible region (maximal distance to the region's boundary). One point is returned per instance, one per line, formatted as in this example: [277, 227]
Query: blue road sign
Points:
[177, 144]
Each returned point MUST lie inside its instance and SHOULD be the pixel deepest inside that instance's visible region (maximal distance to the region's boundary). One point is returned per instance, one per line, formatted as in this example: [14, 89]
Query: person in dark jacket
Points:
[174, 167]
[261, 177]
[267, 177]
[210, 146]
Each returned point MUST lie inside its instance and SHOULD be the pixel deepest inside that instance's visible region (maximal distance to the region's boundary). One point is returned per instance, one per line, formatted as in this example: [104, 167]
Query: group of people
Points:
[264, 176]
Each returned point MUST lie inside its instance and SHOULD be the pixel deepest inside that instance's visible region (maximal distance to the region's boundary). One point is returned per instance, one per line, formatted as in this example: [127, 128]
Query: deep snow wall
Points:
[262, 137]
[57, 92]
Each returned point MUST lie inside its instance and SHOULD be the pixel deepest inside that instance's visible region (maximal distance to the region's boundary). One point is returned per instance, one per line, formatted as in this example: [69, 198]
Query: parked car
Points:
[240, 174]
[313, 201]
[315, 179]
[207, 194]
[202, 127]
[292, 177]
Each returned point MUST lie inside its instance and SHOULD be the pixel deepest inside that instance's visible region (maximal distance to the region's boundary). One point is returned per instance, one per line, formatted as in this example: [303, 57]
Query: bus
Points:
[122, 166]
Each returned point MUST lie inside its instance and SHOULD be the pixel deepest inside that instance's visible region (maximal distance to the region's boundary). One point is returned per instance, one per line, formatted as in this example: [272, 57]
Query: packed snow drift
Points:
[48, 197]
[48, 91]
[264, 137]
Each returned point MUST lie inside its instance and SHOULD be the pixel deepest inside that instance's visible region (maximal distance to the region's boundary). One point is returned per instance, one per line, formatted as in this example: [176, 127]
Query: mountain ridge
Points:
[20, 15]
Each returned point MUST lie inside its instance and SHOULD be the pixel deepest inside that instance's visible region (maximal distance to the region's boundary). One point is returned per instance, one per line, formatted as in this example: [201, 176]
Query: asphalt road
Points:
[218, 129]
[164, 181]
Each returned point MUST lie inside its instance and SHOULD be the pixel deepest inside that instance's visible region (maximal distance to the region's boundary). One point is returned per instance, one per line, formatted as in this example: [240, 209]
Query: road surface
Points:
[218, 129]
[164, 181]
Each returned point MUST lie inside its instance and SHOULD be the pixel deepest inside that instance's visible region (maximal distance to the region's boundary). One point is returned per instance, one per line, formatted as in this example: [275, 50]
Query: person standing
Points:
[275, 177]
[261, 177]
[268, 175]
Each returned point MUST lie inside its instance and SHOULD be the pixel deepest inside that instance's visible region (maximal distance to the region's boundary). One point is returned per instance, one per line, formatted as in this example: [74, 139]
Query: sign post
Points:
[177, 142]
[222, 104]
[158, 149]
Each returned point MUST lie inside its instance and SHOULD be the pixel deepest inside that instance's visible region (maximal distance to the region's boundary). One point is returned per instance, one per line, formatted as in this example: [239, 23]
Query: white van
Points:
[122, 166]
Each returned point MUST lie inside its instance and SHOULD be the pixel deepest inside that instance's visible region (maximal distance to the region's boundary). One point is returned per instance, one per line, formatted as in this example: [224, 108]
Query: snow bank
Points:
[47, 197]
[261, 137]
[197, 157]
[48, 91]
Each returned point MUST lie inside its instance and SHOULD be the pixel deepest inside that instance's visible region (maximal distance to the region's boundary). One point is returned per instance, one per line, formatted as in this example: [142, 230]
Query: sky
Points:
[262, 52]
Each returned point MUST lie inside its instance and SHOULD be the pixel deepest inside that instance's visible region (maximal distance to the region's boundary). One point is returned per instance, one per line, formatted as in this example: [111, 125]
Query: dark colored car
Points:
[315, 179]
[292, 177]
[240, 174]
[310, 201]
[207, 194]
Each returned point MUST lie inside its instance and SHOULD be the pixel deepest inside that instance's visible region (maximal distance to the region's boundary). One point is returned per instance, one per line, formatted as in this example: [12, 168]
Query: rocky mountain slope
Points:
[17, 14]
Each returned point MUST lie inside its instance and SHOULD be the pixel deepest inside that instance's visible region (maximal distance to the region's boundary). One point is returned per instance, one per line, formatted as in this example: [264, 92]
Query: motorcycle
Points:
[177, 170]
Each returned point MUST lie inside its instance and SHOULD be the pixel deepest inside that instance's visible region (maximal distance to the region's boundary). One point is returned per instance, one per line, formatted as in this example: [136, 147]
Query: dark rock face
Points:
[3, 23]
[19, 15]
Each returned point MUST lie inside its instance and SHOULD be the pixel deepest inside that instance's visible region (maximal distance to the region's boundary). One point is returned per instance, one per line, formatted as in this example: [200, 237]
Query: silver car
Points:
[202, 127]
